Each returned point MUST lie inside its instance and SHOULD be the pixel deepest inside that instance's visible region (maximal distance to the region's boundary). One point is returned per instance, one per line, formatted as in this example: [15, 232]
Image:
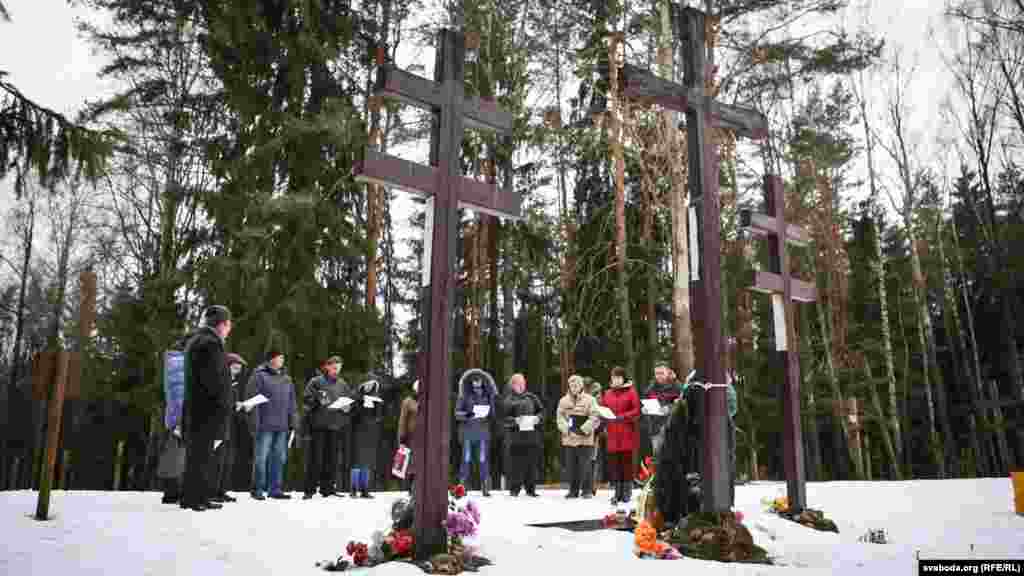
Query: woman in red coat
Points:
[624, 402]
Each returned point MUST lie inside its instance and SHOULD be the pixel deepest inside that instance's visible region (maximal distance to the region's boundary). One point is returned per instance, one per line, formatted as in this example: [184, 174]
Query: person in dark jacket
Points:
[368, 417]
[207, 404]
[523, 415]
[666, 390]
[476, 396]
[324, 425]
[271, 424]
[224, 453]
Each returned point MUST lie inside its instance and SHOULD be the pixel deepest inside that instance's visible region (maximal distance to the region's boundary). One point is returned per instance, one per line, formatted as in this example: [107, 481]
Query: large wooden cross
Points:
[783, 290]
[442, 182]
[702, 112]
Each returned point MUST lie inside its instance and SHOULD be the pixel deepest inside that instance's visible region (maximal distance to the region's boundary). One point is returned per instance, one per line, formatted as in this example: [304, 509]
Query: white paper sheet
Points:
[606, 412]
[527, 423]
[254, 402]
[371, 398]
[481, 410]
[652, 407]
[343, 402]
[217, 443]
[291, 438]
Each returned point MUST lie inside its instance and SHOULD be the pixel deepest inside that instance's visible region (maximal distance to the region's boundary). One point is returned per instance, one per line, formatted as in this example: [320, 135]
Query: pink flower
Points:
[739, 516]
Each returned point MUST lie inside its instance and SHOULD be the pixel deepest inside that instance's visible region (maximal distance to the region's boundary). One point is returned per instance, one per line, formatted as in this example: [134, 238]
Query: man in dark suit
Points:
[207, 404]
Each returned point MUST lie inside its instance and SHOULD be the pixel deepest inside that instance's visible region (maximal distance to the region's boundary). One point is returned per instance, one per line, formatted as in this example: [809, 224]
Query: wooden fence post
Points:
[54, 413]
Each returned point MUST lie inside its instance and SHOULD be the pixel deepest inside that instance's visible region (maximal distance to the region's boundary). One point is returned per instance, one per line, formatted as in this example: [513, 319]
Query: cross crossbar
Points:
[420, 92]
[387, 170]
[765, 225]
[771, 283]
[639, 84]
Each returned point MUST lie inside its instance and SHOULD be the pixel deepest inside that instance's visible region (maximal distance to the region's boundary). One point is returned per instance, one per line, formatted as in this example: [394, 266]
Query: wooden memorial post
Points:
[702, 113]
[447, 189]
[783, 289]
[55, 378]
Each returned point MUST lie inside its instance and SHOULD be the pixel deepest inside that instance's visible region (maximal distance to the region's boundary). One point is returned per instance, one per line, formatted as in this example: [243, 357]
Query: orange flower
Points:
[646, 539]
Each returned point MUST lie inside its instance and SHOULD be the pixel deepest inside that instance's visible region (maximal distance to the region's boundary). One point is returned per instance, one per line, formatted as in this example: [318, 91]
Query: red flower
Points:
[739, 516]
[647, 461]
[458, 491]
[402, 543]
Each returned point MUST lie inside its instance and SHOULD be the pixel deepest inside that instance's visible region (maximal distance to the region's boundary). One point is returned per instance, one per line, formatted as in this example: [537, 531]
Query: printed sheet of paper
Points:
[652, 407]
[527, 423]
[340, 403]
[481, 410]
[371, 398]
[606, 412]
[254, 402]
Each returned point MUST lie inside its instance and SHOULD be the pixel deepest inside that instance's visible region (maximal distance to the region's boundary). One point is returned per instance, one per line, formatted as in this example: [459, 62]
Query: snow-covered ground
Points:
[133, 534]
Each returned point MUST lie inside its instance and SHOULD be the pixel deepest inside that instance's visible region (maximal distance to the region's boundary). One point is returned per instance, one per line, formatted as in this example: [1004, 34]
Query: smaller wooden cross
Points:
[783, 290]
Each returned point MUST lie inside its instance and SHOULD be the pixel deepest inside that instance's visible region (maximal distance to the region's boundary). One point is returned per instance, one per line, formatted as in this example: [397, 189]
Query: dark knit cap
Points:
[331, 360]
[216, 314]
[233, 358]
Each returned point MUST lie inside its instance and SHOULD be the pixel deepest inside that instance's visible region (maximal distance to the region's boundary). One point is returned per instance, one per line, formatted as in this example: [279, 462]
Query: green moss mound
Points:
[812, 519]
[719, 537]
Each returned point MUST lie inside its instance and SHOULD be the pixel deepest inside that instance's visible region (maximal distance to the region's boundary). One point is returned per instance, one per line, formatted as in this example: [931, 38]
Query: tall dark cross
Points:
[783, 290]
[442, 182]
[702, 112]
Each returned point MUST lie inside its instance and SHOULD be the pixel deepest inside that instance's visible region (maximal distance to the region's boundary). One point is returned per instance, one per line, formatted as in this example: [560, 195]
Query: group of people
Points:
[199, 449]
[586, 418]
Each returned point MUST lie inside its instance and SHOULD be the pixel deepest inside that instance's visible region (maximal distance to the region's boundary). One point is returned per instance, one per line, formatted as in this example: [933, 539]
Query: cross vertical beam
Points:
[703, 183]
[783, 290]
[442, 182]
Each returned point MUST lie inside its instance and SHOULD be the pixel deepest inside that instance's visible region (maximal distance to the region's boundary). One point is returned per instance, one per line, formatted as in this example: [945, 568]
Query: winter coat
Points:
[622, 432]
[367, 423]
[207, 402]
[731, 401]
[577, 418]
[526, 404]
[320, 393]
[666, 395]
[472, 429]
[280, 413]
[407, 420]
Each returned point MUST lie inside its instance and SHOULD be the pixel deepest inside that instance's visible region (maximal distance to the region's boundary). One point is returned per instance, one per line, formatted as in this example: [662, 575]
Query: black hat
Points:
[216, 314]
[331, 360]
[273, 353]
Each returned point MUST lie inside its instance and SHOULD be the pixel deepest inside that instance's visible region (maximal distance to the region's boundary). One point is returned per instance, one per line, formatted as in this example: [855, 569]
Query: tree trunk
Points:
[27, 242]
[374, 193]
[617, 116]
[566, 355]
[888, 442]
[833, 377]
[815, 462]
[508, 314]
[682, 330]
[951, 322]
[878, 267]
[924, 323]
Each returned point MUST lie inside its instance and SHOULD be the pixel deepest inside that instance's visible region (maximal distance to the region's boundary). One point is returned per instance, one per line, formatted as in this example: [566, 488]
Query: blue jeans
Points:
[271, 451]
[467, 459]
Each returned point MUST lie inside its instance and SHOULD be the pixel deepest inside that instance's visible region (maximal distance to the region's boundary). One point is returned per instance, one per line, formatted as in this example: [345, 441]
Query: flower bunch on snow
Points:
[358, 552]
[463, 521]
[647, 544]
[646, 471]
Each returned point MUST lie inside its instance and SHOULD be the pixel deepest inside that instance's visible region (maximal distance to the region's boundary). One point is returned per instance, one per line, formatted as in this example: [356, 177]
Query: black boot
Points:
[617, 486]
[627, 492]
[486, 487]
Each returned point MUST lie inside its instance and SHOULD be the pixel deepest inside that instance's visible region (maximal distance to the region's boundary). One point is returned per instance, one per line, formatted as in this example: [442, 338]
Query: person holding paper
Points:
[367, 419]
[624, 404]
[224, 453]
[577, 419]
[407, 428]
[474, 411]
[207, 404]
[323, 426]
[523, 415]
[657, 405]
[271, 424]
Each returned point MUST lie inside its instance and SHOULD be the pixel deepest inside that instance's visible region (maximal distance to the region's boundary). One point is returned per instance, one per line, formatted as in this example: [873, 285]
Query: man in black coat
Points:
[324, 425]
[207, 404]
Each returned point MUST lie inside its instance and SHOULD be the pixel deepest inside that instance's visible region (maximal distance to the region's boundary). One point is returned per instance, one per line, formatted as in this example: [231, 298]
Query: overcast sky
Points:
[48, 61]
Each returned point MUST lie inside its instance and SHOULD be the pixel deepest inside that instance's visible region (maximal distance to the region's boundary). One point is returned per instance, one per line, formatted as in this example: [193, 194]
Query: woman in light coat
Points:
[577, 418]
